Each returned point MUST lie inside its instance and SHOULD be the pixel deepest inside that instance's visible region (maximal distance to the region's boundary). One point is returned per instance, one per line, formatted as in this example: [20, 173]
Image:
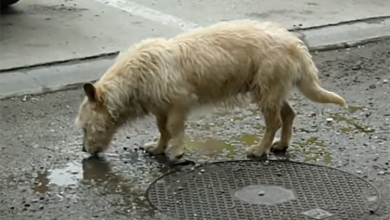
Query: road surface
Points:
[44, 174]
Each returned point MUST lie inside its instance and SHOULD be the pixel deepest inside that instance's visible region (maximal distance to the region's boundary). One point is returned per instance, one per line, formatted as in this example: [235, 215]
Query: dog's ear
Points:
[90, 92]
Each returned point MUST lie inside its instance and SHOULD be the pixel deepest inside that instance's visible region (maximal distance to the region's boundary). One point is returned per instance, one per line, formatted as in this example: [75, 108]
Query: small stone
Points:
[372, 86]
[358, 171]
[261, 193]
[24, 99]
[385, 81]
[381, 172]
[329, 120]
[316, 52]
[180, 188]
[278, 174]
[266, 163]
[356, 67]
[202, 170]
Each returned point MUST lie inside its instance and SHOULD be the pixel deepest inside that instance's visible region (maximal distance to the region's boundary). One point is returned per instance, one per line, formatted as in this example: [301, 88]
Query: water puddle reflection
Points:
[97, 174]
[70, 175]
[211, 146]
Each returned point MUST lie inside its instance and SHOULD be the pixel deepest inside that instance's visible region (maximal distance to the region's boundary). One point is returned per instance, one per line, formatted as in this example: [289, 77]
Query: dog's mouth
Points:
[94, 154]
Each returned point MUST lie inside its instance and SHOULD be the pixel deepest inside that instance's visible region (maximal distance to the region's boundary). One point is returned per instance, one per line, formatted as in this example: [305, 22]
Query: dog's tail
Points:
[308, 82]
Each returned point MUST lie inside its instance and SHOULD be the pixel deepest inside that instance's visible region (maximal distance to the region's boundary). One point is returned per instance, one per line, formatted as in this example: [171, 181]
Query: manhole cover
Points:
[254, 190]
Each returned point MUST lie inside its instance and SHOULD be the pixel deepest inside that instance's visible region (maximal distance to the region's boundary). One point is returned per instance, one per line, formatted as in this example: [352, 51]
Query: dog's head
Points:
[95, 120]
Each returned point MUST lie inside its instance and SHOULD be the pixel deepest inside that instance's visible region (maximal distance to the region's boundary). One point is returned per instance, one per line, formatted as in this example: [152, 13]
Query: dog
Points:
[218, 65]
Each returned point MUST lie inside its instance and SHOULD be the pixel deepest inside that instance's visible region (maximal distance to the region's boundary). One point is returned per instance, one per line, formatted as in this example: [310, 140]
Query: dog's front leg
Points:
[272, 122]
[175, 125]
[160, 146]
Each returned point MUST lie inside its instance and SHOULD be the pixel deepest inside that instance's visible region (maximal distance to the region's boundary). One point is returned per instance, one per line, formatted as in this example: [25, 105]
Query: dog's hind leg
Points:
[272, 124]
[176, 126]
[161, 145]
[287, 115]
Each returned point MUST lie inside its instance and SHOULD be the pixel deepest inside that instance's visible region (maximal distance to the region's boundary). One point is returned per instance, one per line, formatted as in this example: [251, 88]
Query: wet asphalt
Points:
[45, 175]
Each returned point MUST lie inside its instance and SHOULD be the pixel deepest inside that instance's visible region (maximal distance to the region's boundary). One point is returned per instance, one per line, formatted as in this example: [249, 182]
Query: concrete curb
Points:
[72, 75]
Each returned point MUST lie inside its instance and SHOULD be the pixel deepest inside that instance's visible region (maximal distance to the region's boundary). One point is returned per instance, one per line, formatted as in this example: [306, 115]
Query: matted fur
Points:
[220, 64]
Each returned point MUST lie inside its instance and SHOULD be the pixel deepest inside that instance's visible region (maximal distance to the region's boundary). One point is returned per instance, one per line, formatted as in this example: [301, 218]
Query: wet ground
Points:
[44, 174]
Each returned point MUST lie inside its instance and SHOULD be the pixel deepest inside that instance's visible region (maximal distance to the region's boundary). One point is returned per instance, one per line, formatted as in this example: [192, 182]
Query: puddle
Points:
[210, 147]
[248, 139]
[94, 173]
[70, 175]
[354, 108]
[91, 172]
[310, 141]
[313, 150]
[352, 123]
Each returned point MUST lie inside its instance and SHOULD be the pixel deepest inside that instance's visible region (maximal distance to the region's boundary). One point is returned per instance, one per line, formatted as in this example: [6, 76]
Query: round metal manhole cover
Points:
[278, 190]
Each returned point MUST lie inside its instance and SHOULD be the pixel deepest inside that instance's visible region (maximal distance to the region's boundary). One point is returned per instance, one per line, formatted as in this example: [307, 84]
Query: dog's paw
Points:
[278, 146]
[256, 151]
[174, 154]
[152, 148]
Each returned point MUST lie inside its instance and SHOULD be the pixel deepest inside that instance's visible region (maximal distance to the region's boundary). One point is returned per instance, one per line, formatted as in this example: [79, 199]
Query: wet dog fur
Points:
[223, 64]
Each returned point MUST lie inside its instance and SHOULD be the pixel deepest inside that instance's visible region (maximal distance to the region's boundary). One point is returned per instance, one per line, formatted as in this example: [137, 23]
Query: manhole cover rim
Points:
[378, 202]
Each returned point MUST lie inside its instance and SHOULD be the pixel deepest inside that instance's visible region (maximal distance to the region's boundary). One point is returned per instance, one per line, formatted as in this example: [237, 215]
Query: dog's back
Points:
[231, 58]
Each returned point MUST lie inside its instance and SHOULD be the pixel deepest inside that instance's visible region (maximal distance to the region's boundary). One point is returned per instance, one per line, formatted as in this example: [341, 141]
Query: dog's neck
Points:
[124, 107]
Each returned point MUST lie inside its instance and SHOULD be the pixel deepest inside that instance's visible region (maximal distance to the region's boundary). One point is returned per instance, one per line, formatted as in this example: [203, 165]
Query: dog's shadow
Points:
[164, 162]
[98, 170]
